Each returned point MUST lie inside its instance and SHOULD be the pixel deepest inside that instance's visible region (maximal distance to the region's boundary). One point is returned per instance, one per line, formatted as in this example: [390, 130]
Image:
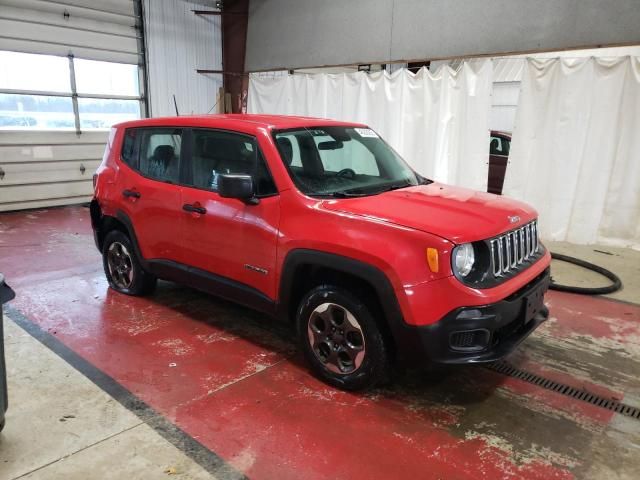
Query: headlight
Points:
[463, 259]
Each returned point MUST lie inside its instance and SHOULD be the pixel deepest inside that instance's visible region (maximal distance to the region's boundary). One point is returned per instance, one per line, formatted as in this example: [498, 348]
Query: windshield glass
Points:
[343, 161]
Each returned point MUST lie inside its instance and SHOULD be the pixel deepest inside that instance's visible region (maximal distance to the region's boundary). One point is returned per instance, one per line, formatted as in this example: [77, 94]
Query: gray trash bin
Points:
[6, 294]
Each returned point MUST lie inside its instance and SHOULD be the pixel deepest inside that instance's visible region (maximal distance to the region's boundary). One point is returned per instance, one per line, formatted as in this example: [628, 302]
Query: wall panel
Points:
[286, 34]
[178, 43]
[44, 168]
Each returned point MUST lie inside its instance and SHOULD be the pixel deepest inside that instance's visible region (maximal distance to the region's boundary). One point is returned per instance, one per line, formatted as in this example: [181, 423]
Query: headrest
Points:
[286, 148]
[164, 152]
[495, 143]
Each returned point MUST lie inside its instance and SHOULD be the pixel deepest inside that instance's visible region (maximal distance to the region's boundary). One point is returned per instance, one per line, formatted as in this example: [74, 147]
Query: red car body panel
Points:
[390, 231]
[457, 214]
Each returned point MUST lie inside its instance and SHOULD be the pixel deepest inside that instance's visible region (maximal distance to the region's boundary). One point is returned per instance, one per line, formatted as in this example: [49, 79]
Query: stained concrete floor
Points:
[62, 426]
[236, 384]
[624, 262]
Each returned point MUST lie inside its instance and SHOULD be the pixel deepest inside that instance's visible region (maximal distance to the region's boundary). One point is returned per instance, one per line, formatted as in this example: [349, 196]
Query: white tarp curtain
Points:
[438, 122]
[575, 154]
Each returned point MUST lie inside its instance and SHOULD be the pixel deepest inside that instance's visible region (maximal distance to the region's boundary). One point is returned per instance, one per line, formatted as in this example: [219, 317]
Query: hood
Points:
[456, 214]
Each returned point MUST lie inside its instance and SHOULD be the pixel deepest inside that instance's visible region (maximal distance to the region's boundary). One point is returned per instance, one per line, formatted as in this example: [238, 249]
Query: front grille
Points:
[513, 249]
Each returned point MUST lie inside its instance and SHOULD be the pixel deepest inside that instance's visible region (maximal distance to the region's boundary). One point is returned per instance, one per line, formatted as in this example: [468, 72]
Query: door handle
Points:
[131, 194]
[187, 207]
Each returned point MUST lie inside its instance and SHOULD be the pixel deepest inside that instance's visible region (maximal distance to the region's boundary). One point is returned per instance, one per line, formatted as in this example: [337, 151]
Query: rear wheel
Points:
[122, 267]
[341, 339]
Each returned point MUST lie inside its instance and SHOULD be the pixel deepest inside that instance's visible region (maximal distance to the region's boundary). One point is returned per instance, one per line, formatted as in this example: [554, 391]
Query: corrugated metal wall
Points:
[46, 168]
[178, 43]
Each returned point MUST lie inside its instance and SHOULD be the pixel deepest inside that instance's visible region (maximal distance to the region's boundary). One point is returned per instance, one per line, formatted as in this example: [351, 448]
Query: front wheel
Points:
[341, 339]
[122, 267]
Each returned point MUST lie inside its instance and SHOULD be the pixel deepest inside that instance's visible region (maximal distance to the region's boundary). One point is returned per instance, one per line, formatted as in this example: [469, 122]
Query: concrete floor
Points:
[234, 391]
[62, 426]
[624, 262]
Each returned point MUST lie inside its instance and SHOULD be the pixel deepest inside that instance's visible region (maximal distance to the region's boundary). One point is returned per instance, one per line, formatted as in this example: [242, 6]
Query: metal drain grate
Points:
[564, 389]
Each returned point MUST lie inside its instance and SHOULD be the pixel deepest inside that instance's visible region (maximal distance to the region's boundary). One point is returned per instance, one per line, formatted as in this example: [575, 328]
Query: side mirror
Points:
[232, 185]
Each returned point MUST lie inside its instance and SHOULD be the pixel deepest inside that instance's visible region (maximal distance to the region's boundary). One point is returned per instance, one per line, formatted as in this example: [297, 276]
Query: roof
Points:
[236, 121]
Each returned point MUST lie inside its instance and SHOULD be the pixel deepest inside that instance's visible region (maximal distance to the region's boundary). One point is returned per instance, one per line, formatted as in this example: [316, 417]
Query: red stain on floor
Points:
[594, 317]
[300, 425]
[238, 388]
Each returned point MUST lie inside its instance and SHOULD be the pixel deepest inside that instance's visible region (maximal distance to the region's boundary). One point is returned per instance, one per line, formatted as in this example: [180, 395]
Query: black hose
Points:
[615, 285]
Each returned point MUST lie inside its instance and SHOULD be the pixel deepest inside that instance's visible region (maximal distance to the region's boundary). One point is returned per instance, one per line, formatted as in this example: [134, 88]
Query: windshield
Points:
[342, 162]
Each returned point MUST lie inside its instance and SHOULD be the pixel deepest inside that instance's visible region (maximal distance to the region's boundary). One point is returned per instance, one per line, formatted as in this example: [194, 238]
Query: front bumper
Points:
[478, 334]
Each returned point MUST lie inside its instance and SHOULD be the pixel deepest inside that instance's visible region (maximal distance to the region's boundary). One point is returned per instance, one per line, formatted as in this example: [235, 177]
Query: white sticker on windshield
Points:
[366, 132]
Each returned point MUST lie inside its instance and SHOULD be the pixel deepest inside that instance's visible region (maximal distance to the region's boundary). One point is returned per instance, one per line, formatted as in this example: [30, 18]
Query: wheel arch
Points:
[103, 224]
[304, 269]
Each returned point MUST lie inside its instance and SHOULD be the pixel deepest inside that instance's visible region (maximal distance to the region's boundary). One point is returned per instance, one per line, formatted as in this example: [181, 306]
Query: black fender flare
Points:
[364, 271]
[97, 222]
[128, 224]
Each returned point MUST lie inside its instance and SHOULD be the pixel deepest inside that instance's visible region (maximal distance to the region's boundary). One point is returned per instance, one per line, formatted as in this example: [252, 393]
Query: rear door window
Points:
[154, 152]
[499, 146]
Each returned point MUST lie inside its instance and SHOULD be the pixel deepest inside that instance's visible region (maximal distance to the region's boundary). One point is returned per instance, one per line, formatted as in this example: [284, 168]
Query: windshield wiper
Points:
[346, 194]
[358, 191]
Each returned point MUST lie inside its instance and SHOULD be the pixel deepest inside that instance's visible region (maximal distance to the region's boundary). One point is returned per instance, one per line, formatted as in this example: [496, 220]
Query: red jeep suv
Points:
[322, 224]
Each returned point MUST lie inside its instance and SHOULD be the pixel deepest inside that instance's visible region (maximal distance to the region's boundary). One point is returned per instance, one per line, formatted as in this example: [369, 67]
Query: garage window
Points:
[44, 92]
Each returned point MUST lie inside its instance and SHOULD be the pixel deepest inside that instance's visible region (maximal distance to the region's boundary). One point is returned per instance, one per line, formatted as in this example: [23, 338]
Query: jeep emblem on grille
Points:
[514, 219]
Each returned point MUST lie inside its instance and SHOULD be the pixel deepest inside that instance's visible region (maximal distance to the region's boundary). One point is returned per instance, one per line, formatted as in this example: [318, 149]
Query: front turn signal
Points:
[432, 259]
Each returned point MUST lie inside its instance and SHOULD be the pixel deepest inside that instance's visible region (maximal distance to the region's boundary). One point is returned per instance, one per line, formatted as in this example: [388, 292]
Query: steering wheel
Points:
[347, 173]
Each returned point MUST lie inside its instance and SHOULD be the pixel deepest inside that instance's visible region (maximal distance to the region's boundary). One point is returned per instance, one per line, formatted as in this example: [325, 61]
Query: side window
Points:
[159, 156]
[129, 154]
[506, 146]
[216, 153]
[495, 147]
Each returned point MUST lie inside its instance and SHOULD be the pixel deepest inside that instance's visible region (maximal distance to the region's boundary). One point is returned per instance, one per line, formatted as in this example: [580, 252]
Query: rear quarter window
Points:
[129, 148]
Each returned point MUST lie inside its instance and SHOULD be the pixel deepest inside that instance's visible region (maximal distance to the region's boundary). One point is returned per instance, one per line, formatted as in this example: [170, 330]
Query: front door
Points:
[226, 236]
[150, 191]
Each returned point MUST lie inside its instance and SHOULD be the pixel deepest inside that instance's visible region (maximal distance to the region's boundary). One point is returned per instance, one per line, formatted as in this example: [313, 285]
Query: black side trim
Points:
[368, 273]
[200, 279]
[96, 218]
[200, 454]
[211, 283]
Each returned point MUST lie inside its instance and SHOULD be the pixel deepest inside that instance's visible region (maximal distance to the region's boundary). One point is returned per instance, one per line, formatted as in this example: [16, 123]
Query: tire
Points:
[122, 266]
[359, 359]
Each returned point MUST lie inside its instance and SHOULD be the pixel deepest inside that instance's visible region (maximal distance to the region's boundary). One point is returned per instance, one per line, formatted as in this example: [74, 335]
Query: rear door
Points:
[229, 238]
[149, 185]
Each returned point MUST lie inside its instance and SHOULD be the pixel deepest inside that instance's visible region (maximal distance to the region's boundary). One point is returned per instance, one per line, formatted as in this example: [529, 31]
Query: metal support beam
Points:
[45, 93]
[217, 12]
[234, 42]
[220, 72]
[143, 65]
[74, 95]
